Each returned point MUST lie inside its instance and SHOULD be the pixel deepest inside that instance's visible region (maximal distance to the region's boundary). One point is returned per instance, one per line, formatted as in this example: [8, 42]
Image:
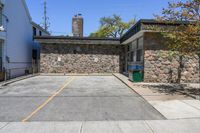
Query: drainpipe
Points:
[5, 43]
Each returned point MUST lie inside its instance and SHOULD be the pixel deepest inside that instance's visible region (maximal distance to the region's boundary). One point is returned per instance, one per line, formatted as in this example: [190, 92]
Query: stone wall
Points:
[65, 58]
[161, 66]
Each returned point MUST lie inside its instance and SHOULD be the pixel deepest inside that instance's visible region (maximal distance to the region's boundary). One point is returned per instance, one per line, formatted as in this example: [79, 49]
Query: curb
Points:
[127, 85]
[92, 74]
[139, 84]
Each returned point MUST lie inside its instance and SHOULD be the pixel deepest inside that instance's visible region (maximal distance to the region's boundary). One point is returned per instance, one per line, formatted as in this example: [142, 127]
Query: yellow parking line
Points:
[48, 100]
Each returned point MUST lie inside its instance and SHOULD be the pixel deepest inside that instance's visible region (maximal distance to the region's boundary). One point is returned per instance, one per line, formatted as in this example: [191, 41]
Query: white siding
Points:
[18, 44]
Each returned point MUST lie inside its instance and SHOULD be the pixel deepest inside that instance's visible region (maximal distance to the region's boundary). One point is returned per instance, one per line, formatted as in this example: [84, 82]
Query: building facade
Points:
[80, 55]
[145, 50]
[37, 31]
[16, 39]
[139, 49]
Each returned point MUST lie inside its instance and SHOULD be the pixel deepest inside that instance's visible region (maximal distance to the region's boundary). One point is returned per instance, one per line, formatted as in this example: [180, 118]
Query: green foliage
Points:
[112, 26]
[183, 11]
[181, 39]
[184, 38]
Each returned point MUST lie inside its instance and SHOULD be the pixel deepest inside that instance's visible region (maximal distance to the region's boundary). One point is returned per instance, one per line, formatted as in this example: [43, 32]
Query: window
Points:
[134, 44]
[128, 48]
[34, 54]
[34, 31]
[132, 56]
[40, 33]
[137, 45]
[128, 57]
[139, 55]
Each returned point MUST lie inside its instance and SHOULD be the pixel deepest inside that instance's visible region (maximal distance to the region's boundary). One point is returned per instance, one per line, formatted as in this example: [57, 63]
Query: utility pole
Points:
[45, 17]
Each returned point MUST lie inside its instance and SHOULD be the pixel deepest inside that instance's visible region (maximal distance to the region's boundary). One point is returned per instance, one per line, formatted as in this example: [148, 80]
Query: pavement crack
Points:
[151, 129]
[120, 129]
[81, 129]
[190, 105]
[4, 126]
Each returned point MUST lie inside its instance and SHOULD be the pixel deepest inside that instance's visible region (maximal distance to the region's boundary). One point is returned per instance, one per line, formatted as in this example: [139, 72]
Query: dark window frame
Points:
[40, 33]
[132, 56]
[1, 16]
[34, 31]
[139, 55]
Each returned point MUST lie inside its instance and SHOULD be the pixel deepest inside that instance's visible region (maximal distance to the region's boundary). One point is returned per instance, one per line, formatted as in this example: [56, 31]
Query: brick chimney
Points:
[77, 25]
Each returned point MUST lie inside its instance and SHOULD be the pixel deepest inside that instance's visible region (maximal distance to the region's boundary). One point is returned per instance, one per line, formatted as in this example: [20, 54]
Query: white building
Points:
[16, 38]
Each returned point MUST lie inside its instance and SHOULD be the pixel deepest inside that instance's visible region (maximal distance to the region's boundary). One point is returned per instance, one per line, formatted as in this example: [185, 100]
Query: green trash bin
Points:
[136, 75]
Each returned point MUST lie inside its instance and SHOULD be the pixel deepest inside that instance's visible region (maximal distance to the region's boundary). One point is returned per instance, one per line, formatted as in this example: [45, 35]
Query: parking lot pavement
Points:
[86, 98]
[17, 100]
[97, 98]
[39, 86]
[3, 124]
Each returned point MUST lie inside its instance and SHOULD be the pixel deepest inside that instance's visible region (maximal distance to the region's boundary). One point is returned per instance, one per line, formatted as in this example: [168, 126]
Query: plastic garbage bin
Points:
[136, 75]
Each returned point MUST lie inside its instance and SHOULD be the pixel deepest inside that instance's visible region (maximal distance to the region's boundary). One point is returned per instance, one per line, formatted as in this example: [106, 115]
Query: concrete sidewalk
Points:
[157, 126]
[171, 105]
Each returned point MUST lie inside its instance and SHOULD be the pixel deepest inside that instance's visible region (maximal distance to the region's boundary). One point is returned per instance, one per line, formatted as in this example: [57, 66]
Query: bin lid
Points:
[135, 67]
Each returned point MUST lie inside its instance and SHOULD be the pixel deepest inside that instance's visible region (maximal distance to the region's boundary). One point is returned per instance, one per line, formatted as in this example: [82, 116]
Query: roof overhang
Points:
[132, 38]
[40, 28]
[26, 9]
[76, 40]
[138, 27]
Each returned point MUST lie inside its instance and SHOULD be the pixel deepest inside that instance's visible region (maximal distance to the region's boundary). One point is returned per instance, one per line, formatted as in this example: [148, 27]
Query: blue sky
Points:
[60, 12]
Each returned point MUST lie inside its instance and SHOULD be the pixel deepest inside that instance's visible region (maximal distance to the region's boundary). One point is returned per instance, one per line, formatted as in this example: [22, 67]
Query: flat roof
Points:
[137, 25]
[76, 40]
[108, 41]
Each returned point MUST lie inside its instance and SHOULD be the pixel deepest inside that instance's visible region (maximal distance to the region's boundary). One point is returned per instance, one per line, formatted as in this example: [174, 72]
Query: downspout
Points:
[5, 43]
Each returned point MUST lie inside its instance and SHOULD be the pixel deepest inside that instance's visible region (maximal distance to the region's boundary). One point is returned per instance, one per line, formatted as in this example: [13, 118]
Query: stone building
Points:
[145, 49]
[80, 55]
[138, 48]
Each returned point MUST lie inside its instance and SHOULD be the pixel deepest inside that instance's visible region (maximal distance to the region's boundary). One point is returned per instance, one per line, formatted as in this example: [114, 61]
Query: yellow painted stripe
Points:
[48, 100]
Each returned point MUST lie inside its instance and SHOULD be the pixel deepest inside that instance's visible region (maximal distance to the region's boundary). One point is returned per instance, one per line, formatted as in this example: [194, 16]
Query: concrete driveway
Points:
[81, 98]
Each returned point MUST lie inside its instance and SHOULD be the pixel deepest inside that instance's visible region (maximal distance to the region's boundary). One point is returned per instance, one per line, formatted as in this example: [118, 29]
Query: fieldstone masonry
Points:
[97, 55]
[75, 58]
[163, 67]
[160, 67]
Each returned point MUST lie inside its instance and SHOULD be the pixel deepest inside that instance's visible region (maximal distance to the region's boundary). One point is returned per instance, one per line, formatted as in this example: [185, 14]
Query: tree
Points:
[112, 27]
[185, 38]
